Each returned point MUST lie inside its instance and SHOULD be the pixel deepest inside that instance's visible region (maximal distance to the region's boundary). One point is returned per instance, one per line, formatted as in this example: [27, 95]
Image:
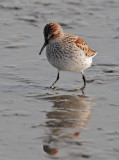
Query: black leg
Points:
[52, 86]
[84, 80]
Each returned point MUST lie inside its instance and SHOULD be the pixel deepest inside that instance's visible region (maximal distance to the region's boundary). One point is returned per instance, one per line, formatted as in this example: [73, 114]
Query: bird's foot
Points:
[83, 90]
[52, 87]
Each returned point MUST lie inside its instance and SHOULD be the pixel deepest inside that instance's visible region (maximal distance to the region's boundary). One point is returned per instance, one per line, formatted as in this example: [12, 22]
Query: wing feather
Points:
[82, 45]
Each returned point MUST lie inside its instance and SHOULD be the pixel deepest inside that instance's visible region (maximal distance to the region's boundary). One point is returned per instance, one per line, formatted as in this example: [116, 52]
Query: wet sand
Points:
[38, 123]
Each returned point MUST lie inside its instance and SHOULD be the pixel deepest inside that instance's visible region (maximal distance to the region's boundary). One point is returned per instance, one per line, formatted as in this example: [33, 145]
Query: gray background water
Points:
[37, 123]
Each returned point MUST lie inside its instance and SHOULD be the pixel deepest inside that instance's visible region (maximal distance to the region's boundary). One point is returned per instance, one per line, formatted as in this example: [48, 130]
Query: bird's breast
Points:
[67, 57]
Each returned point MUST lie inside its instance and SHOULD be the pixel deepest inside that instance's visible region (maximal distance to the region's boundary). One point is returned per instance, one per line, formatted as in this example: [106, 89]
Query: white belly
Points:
[74, 61]
[69, 64]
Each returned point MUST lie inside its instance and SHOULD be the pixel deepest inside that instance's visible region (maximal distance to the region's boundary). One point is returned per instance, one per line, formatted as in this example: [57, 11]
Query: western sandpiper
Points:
[66, 52]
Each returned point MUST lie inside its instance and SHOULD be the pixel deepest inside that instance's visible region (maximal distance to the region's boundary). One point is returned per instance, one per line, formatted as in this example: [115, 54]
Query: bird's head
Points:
[52, 31]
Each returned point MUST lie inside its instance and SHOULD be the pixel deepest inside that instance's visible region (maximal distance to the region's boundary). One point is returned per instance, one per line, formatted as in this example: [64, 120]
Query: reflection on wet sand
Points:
[68, 118]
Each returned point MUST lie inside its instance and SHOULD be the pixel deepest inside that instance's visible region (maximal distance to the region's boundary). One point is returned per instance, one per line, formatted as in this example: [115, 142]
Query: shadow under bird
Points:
[66, 52]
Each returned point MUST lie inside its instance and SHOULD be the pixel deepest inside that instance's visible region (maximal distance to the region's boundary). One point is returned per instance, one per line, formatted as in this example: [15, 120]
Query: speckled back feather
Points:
[82, 45]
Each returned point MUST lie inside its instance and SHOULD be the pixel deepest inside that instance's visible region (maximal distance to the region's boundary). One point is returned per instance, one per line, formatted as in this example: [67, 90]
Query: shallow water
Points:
[38, 123]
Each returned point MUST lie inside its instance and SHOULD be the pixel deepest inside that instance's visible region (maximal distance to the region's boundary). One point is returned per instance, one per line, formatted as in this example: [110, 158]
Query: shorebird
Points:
[66, 52]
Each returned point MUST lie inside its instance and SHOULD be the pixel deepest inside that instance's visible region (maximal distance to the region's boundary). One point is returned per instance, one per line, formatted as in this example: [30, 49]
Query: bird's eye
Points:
[52, 36]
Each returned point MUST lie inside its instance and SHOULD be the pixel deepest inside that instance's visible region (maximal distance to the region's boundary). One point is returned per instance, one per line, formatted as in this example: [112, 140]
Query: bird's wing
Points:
[82, 45]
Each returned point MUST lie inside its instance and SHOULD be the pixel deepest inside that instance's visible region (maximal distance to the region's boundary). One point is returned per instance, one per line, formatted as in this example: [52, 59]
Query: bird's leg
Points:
[84, 80]
[52, 86]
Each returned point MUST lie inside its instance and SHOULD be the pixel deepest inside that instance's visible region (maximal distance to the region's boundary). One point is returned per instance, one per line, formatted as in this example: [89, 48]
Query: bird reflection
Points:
[68, 118]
